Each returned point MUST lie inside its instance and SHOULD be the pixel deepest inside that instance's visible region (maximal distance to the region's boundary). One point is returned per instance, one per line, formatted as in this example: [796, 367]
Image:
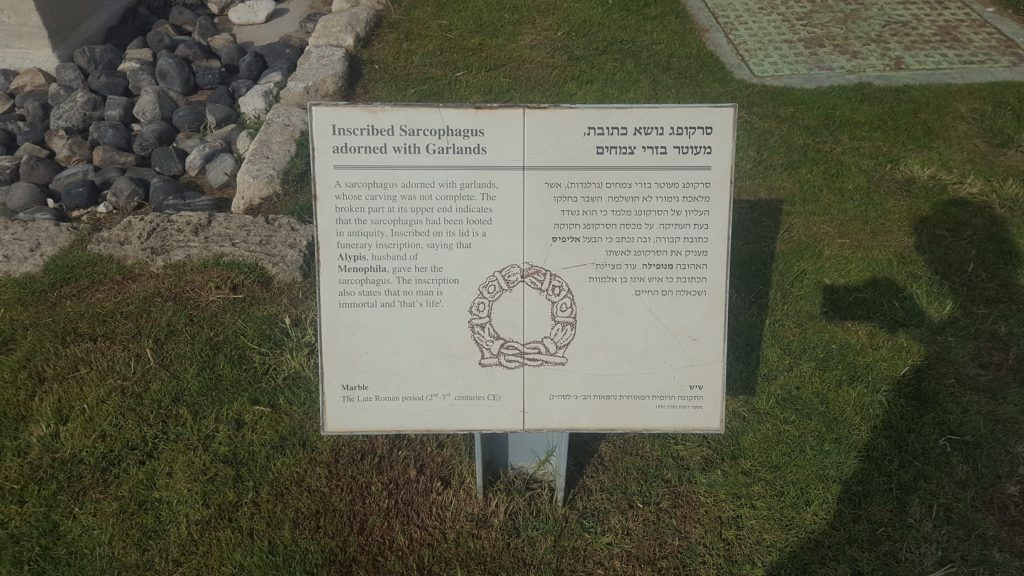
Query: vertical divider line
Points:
[522, 337]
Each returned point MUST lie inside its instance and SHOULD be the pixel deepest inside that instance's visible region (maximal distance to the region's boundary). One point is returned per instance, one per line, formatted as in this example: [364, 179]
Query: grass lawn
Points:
[167, 423]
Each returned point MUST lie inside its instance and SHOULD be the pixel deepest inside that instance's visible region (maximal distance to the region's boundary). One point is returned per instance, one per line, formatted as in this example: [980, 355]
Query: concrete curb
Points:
[320, 75]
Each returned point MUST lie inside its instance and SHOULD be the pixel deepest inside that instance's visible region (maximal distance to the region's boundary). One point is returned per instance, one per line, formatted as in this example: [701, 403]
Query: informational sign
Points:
[522, 269]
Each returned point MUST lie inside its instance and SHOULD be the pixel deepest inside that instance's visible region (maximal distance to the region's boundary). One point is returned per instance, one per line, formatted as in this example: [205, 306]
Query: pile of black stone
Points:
[150, 118]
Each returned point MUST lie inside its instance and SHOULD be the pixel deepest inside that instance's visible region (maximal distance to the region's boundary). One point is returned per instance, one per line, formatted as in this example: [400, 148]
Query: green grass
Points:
[167, 423]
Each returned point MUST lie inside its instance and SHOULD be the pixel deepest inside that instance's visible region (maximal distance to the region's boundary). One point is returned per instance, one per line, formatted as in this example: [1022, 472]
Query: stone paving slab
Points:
[795, 42]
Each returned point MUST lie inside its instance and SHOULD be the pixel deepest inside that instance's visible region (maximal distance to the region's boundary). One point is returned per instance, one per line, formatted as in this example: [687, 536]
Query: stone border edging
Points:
[319, 76]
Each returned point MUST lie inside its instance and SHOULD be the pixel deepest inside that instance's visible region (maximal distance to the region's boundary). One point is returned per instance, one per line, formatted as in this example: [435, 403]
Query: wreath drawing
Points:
[495, 349]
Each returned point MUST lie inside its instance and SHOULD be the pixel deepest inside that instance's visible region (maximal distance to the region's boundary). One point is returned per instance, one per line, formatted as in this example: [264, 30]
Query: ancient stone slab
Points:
[344, 29]
[27, 245]
[259, 178]
[320, 76]
[279, 243]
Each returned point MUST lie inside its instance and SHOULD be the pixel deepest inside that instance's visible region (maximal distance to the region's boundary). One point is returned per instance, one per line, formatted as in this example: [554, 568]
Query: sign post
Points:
[532, 271]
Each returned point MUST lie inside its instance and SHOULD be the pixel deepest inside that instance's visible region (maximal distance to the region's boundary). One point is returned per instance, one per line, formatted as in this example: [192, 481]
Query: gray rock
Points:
[156, 104]
[153, 136]
[77, 112]
[38, 170]
[69, 75]
[9, 170]
[205, 28]
[97, 57]
[219, 6]
[108, 82]
[28, 245]
[6, 77]
[188, 141]
[30, 133]
[281, 53]
[195, 202]
[221, 95]
[219, 116]
[189, 118]
[200, 155]
[242, 143]
[227, 49]
[140, 173]
[30, 80]
[182, 18]
[110, 134]
[159, 40]
[141, 54]
[30, 149]
[105, 178]
[221, 171]
[108, 156]
[140, 74]
[137, 43]
[79, 195]
[277, 75]
[7, 103]
[127, 193]
[40, 214]
[165, 190]
[226, 134]
[168, 161]
[251, 66]
[251, 12]
[69, 148]
[240, 88]
[80, 173]
[174, 73]
[193, 51]
[308, 23]
[24, 195]
[258, 101]
[118, 109]
[279, 243]
[344, 28]
[58, 94]
[208, 78]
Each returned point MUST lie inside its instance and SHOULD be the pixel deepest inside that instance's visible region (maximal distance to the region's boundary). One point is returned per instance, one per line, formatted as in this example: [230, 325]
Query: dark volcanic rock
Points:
[205, 28]
[108, 82]
[105, 178]
[127, 193]
[221, 95]
[72, 175]
[79, 195]
[58, 94]
[219, 116]
[153, 136]
[163, 189]
[141, 173]
[240, 88]
[189, 118]
[107, 133]
[35, 109]
[141, 75]
[24, 195]
[121, 36]
[193, 51]
[77, 112]
[251, 66]
[108, 156]
[281, 53]
[174, 73]
[183, 18]
[30, 134]
[37, 170]
[9, 170]
[118, 109]
[69, 75]
[169, 161]
[156, 103]
[30, 149]
[158, 40]
[277, 75]
[40, 213]
[207, 78]
[97, 57]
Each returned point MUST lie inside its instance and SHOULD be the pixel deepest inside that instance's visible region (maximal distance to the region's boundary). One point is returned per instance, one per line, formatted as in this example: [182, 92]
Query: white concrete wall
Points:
[44, 32]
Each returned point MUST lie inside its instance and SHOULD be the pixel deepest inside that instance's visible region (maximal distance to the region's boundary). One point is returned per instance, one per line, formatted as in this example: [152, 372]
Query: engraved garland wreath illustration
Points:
[495, 349]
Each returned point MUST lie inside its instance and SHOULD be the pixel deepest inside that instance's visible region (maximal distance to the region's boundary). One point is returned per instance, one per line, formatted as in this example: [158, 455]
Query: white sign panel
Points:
[521, 269]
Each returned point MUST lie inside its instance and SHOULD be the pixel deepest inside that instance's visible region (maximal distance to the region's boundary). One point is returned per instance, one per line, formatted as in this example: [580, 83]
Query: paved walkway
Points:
[801, 43]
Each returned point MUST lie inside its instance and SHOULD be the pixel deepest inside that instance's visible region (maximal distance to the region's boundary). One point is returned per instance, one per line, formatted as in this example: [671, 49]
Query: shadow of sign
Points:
[936, 484]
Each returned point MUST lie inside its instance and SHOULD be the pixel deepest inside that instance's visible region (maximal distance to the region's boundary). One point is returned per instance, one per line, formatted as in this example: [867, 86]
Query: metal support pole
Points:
[543, 455]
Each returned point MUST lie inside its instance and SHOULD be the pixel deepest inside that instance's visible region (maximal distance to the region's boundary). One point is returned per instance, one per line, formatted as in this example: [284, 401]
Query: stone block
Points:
[259, 179]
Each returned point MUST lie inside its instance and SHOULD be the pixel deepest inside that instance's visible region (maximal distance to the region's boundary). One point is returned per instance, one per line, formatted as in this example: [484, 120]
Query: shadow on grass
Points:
[755, 232]
[938, 480]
